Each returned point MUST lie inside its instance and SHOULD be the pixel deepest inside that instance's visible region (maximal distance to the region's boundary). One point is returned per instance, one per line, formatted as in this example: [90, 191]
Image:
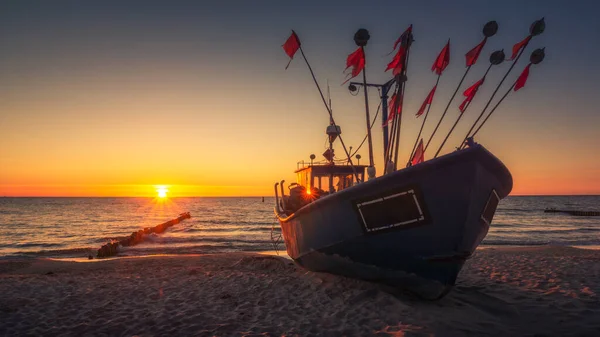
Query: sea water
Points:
[77, 227]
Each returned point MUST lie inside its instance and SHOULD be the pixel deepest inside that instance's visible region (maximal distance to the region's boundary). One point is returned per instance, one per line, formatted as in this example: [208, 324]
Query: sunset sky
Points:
[113, 98]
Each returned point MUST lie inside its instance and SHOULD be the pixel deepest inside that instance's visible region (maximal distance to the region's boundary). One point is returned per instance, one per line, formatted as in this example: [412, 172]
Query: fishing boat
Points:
[420, 222]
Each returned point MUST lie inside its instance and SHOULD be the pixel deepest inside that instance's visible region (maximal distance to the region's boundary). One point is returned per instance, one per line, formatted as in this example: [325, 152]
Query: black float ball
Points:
[537, 27]
[490, 29]
[497, 57]
[407, 38]
[537, 56]
[361, 37]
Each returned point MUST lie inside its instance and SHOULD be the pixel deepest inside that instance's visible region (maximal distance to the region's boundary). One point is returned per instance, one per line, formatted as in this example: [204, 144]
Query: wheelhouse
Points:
[328, 178]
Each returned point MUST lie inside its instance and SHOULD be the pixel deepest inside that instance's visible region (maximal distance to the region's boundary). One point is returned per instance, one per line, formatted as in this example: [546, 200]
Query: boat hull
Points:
[424, 220]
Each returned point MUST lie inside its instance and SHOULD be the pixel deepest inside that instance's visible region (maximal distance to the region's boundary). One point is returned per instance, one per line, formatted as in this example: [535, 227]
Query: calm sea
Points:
[77, 227]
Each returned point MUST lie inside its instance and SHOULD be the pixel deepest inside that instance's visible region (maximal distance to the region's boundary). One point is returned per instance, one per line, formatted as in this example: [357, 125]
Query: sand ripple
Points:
[508, 291]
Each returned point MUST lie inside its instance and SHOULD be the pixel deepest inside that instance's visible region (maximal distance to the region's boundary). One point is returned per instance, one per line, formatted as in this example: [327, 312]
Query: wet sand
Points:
[509, 291]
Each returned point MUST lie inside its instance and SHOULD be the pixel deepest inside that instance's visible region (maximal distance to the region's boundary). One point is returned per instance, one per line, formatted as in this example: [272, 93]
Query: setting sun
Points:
[162, 192]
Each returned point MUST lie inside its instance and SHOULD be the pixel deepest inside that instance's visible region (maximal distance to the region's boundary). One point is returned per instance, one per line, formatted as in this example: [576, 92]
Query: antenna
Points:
[328, 110]
[329, 96]
[361, 37]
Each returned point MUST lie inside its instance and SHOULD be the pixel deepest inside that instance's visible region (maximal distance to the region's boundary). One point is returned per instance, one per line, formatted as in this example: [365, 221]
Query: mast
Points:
[361, 37]
[384, 117]
[332, 121]
[406, 40]
[385, 89]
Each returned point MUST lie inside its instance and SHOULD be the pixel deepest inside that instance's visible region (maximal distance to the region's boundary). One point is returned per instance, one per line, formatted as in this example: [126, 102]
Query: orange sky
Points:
[90, 107]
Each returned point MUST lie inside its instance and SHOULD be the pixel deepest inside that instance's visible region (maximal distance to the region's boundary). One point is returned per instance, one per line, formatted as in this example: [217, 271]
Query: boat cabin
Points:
[329, 177]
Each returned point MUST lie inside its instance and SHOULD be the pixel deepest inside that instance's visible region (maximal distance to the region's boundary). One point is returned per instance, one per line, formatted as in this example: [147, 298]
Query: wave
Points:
[32, 244]
[549, 231]
[540, 243]
[590, 229]
[208, 222]
[195, 249]
[171, 246]
[502, 225]
[178, 240]
[67, 252]
[235, 229]
[513, 243]
[500, 210]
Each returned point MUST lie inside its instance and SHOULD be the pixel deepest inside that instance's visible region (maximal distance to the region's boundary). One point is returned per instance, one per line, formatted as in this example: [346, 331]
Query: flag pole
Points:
[361, 37]
[368, 115]
[536, 28]
[392, 136]
[435, 65]
[536, 57]
[489, 29]
[494, 94]
[412, 152]
[403, 79]
[460, 115]
[330, 114]
[494, 109]
[385, 88]
[406, 41]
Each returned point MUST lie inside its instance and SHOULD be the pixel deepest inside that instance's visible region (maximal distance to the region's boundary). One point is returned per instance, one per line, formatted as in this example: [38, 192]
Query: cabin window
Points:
[302, 178]
[320, 183]
[342, 182]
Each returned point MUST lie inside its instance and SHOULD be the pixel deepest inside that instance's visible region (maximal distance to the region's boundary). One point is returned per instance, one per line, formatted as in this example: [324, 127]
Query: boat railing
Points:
[283, 201]
[277, 208]
[303, 164]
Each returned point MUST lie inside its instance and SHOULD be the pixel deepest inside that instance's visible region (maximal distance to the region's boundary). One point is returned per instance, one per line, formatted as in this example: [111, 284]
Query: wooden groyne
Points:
[576, 213]
[111, 248]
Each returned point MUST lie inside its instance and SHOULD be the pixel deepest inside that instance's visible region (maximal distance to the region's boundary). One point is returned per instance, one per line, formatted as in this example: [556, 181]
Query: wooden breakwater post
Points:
[111, 248]
[576, 213]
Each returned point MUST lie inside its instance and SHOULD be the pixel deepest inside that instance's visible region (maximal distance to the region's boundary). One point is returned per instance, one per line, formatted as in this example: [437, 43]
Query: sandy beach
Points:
[514, 291]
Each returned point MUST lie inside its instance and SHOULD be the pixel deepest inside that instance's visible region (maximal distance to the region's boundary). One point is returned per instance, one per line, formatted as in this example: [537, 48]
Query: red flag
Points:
[522, 78]
[291, 46]
[473, 54]
[419, 155]
[355, 60]
[393, 109]
[428, 100]
[406, 32]
[397, 60]
[441, 62]
[398, 69]
[470, 93]
[518, 46]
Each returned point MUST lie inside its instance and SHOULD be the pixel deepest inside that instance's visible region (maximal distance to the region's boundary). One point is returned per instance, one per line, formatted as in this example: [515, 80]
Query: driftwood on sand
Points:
[111, 248]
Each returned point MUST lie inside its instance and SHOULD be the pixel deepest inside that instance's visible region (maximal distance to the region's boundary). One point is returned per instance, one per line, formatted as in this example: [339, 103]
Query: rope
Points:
[372, 124]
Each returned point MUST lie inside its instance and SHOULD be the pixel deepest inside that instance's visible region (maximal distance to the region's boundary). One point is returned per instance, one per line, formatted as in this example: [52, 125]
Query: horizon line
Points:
[255, 196]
